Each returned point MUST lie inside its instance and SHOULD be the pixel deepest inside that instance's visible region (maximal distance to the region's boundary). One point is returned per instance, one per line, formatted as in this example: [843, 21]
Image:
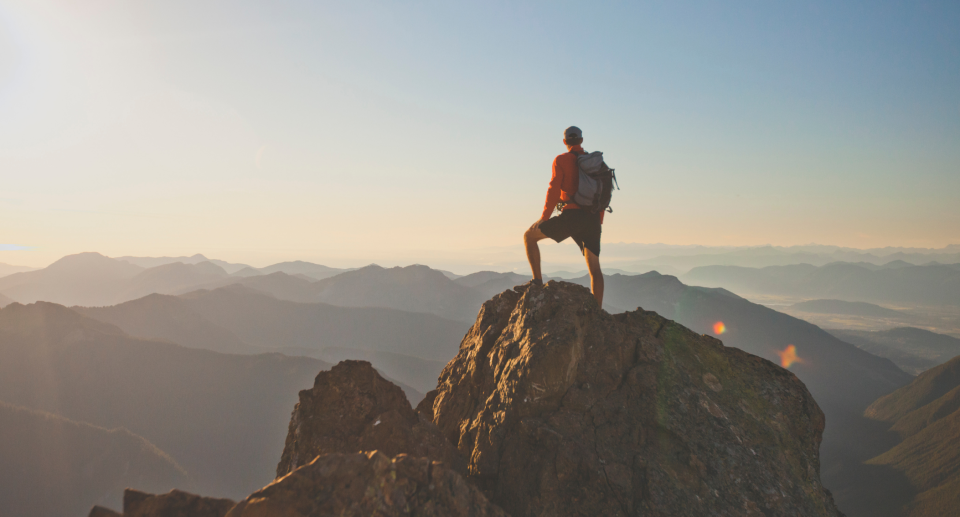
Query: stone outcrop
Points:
[99, 511]
[351, 408]
[368, 484]
[562, 409]
[172, 504]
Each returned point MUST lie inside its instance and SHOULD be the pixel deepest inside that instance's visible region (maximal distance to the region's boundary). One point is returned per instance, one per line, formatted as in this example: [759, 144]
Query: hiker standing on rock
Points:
[580, 188]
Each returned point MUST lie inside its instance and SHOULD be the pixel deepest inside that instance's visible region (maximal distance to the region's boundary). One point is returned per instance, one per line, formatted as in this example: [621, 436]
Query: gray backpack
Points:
[596, 183]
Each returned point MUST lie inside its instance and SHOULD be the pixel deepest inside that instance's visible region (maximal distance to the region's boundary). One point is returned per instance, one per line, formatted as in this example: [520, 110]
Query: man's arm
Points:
[553, 193]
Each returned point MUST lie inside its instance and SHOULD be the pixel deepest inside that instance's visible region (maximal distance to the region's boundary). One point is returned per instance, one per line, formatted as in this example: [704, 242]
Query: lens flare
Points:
[788, 356]
[719, 328]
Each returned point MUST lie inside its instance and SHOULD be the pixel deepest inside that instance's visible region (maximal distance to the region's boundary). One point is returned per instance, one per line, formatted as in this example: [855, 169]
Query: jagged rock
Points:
[351, 408]
[173, 504]
[563, 409]
[99, 511]
[368, 484]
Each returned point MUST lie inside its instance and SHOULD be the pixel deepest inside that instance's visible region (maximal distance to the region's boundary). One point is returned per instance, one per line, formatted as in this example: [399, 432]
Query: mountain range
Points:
[8, 269]
[913, 350]
[56, 466]
[325, 319]
[686, 258]
[925, 415]
[409, 347]
[933, 284]
[219, 416]
[151, 262]
[848, 309]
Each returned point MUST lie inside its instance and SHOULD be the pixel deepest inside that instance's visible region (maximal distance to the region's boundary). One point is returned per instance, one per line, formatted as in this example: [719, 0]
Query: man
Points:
[573, 221]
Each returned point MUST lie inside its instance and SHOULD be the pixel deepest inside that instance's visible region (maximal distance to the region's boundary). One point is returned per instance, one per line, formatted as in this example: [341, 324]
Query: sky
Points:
[353, 132]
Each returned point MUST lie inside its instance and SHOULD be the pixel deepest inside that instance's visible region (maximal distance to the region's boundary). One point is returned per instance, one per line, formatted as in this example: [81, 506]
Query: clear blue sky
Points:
[267, 131]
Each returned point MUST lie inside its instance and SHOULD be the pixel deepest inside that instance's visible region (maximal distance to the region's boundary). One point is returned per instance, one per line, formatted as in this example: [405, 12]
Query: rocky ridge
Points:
[555, 407]
[351, 408]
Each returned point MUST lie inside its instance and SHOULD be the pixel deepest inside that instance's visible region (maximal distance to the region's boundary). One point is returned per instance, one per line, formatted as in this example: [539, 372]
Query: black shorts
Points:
[583, 226]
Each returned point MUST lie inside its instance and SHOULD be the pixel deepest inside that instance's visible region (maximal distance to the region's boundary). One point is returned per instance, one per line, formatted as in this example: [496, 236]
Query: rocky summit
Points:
[562, 409]
[351, 408]
[552, 407]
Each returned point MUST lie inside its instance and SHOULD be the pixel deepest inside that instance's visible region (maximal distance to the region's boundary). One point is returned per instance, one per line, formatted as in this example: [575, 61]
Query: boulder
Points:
[562, 409]
[174, 503]
[368, 484]
[351, 408]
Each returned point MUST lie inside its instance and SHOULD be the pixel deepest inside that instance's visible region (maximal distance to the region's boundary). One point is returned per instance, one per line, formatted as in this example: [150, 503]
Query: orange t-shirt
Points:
[564, 183]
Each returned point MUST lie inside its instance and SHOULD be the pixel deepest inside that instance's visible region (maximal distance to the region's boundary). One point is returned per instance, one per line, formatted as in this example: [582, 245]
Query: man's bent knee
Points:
[533, 234]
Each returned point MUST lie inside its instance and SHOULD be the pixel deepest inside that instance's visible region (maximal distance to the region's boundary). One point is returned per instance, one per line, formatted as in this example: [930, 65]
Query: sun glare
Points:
[719, 328]
[788, 356]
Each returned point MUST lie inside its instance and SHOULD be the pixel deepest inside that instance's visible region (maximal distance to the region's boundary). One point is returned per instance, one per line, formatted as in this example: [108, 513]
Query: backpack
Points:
[596, 183]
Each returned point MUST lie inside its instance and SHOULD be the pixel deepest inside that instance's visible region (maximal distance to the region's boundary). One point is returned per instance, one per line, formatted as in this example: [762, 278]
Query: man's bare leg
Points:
[596, 276]
[530, 239]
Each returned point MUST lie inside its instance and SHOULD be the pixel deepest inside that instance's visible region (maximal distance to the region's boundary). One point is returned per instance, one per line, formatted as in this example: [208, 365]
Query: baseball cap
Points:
[572, 132]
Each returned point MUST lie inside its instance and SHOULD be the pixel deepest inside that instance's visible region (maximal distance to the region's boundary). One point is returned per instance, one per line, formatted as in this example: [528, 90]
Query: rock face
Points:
[368, 484]
[172, 504]
[351, 408]
[562, 409]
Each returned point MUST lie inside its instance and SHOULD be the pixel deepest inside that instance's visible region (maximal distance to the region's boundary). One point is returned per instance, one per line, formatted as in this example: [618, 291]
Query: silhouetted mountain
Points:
[4, 301]
[314, 271]
[926, 388]
[406, 346]
[160, 316]
[8, 269]
[248, 271]
[925, 285]
[766, 256]
[848, 308]
[926, 414]
[304, 327]
[481, 277]
[150, 262]
[82, 279]
[305, 270]
[170, 278]
[55, 466]
[489, 283]
[278, 285]
[90, 279]
[412, 288]
[913, 350]
[220, 416]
